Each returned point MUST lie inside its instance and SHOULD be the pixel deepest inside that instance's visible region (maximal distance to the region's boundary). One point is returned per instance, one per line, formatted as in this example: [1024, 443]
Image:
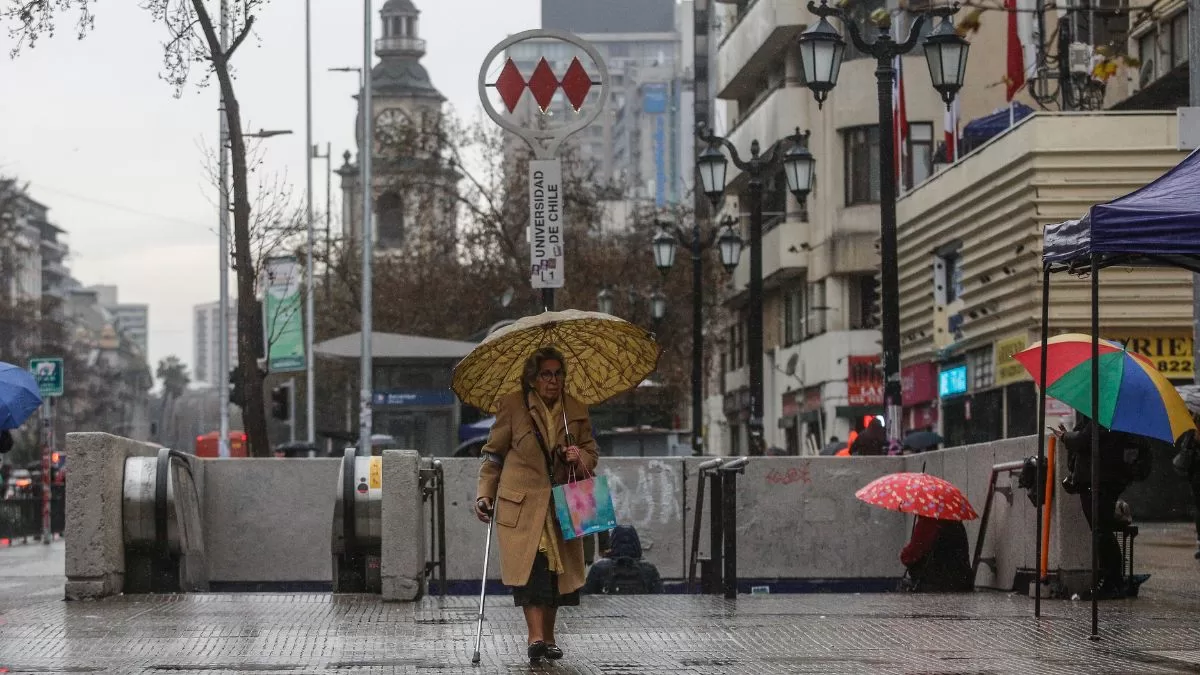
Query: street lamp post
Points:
[798, 166]
[729, 244]
[821, 51]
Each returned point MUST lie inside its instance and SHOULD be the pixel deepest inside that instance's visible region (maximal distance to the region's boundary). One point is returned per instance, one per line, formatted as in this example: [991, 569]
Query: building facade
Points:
[413, 205]
[822, 351]
[970, 265]
[205, 342]
[131, 319]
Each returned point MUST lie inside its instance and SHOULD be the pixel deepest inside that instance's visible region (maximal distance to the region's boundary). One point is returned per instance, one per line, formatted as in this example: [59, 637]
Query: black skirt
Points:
[542, 588]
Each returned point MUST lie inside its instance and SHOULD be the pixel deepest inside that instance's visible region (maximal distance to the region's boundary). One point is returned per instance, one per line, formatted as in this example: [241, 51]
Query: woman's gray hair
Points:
[533, 365]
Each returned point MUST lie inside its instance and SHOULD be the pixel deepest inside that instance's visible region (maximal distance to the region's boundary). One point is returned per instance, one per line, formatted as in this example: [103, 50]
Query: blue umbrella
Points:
[19, 396]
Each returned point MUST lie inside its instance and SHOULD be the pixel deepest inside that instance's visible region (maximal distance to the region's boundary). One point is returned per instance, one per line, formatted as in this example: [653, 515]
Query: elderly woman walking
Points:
[540, 438]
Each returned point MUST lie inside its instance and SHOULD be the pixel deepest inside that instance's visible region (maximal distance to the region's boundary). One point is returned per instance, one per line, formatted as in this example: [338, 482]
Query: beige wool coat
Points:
[519, 487]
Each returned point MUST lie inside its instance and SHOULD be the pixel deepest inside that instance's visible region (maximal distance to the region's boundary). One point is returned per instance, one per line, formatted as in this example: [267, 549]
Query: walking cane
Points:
[487, 552]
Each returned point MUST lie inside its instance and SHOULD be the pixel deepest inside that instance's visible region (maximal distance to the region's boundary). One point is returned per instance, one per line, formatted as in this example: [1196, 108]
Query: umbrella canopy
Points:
[922, 440]
[1134, 396]
[918, 493]
[605, 356]
[19, 395]
[1190, 393]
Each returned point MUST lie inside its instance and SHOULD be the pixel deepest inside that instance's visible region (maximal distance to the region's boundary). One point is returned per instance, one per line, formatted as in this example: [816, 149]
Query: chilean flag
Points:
[1015, 73]
[950, 130]
[899, 122]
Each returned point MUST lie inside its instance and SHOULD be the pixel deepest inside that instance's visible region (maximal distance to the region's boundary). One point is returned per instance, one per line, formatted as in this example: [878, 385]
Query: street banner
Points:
[546, 224]
[282, 320]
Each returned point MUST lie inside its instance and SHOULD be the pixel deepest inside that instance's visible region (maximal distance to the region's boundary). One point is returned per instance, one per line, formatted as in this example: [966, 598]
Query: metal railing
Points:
[433, 491]
[718, 572]
[399, 44]
[21, 516]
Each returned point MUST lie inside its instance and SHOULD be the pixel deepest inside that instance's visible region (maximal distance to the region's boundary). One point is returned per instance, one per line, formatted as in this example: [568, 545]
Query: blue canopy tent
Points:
[982, 129]
[1156, 225]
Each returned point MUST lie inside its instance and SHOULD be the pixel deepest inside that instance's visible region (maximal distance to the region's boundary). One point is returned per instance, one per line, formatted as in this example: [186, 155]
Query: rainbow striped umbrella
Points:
[1134, 396]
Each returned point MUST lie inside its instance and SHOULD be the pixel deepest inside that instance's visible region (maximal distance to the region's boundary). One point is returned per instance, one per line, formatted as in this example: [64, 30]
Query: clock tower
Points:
[411, 181]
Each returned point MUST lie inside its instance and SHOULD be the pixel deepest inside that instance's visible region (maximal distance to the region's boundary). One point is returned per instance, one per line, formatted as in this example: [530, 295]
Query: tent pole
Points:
[1095, 415]
[1039, 498]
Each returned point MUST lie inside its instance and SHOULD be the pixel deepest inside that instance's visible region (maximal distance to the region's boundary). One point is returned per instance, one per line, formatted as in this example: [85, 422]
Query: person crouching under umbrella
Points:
[937, 557]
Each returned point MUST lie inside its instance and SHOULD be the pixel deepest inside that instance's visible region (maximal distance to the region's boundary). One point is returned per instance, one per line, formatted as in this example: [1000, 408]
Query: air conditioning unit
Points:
[1079, 58]
[1111, 6]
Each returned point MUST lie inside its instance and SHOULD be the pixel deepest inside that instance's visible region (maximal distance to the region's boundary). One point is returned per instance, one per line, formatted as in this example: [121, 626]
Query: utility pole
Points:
[309, 302]
[223, 301]
[1193, 9]
[368, 249]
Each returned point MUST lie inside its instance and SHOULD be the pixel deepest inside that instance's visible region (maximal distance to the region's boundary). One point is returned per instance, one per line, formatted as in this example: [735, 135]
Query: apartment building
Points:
[820, 261]
[970, 266]
[206, 344]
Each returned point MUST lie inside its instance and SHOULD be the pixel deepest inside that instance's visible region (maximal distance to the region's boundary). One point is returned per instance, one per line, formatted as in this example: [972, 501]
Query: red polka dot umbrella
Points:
[918, 493]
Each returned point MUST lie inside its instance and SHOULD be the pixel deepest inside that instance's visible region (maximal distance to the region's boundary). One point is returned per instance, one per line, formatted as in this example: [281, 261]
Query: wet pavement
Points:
[819, 633]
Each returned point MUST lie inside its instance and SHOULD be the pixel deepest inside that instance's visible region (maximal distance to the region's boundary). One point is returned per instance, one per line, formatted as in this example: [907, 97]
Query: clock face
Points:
[390, 124]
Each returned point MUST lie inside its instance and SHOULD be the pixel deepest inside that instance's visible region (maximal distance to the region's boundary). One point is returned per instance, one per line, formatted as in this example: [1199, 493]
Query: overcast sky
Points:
[121, 163]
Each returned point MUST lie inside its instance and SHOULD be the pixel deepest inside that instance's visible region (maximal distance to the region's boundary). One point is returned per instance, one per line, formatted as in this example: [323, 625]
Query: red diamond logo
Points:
[576, 84]
[511, 85]
[543, 84]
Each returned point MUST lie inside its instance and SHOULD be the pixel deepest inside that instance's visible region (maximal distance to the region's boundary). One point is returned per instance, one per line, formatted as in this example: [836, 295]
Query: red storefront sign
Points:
[812, 399]
[923, 416]
[791, 406]
[864, 382]
[919, 383]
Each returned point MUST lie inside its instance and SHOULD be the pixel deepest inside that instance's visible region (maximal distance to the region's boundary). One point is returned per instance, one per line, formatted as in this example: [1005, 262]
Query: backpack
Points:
[625, 578]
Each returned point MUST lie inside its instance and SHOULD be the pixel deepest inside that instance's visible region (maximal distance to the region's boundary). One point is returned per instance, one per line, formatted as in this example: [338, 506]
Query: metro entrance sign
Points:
[547, 225]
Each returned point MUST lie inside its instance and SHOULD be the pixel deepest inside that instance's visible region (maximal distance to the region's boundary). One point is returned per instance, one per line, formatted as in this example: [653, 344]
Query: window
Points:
[390, 221]
[862, 165]
[948, 276]
[1179, 39]
[737, 345]
[864, 302]
[793, 316]
[920, 153]
[1147, 54]
[815, 324]
[983, 374]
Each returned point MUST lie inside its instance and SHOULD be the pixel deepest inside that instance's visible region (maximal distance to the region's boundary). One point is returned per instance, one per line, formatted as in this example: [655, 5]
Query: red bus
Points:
[206, 445]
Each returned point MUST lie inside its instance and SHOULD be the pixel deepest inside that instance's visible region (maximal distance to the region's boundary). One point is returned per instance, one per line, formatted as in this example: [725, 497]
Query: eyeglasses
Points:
[550, 375]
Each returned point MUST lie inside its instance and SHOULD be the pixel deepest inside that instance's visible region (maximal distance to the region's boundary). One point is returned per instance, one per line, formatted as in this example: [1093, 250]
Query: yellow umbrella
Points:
[605, 357]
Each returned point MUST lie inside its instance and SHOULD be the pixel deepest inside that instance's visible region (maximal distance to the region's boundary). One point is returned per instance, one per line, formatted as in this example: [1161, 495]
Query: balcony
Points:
[399, 45]
[785, 253]
[765, 28]
[775, 115]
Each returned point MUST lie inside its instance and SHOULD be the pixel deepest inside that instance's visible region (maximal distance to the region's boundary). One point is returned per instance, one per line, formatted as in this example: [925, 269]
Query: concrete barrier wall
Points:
[268, 520]
[798, 517]
[95, 555]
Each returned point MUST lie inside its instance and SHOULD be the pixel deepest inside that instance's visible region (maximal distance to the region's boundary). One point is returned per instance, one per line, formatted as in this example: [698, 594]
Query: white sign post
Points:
[547, 227]
[546, 223]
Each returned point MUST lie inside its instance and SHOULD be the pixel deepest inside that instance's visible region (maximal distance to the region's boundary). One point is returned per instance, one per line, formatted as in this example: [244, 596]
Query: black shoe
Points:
[553, 652]
[537, 650]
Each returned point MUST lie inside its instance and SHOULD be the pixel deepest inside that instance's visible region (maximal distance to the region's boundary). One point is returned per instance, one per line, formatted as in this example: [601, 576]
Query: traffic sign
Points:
[49, 375]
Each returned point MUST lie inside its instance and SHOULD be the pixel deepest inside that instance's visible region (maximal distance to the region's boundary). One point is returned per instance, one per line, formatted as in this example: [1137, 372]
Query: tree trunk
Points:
[249, 321]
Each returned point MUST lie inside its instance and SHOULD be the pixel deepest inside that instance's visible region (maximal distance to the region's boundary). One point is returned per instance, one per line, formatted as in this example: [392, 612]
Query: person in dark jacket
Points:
[622, 571]
[1189, 453]
[937, 557]
[1115, 476]
[872, 441]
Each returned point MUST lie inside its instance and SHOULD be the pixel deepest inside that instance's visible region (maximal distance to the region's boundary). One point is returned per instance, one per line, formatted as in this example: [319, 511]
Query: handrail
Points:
[708, 466]
[997, 469]
[433, 489]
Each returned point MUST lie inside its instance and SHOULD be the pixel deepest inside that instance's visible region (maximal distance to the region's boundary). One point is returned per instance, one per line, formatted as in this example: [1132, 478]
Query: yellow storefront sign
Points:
[1169, 351]
[1008, 370]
